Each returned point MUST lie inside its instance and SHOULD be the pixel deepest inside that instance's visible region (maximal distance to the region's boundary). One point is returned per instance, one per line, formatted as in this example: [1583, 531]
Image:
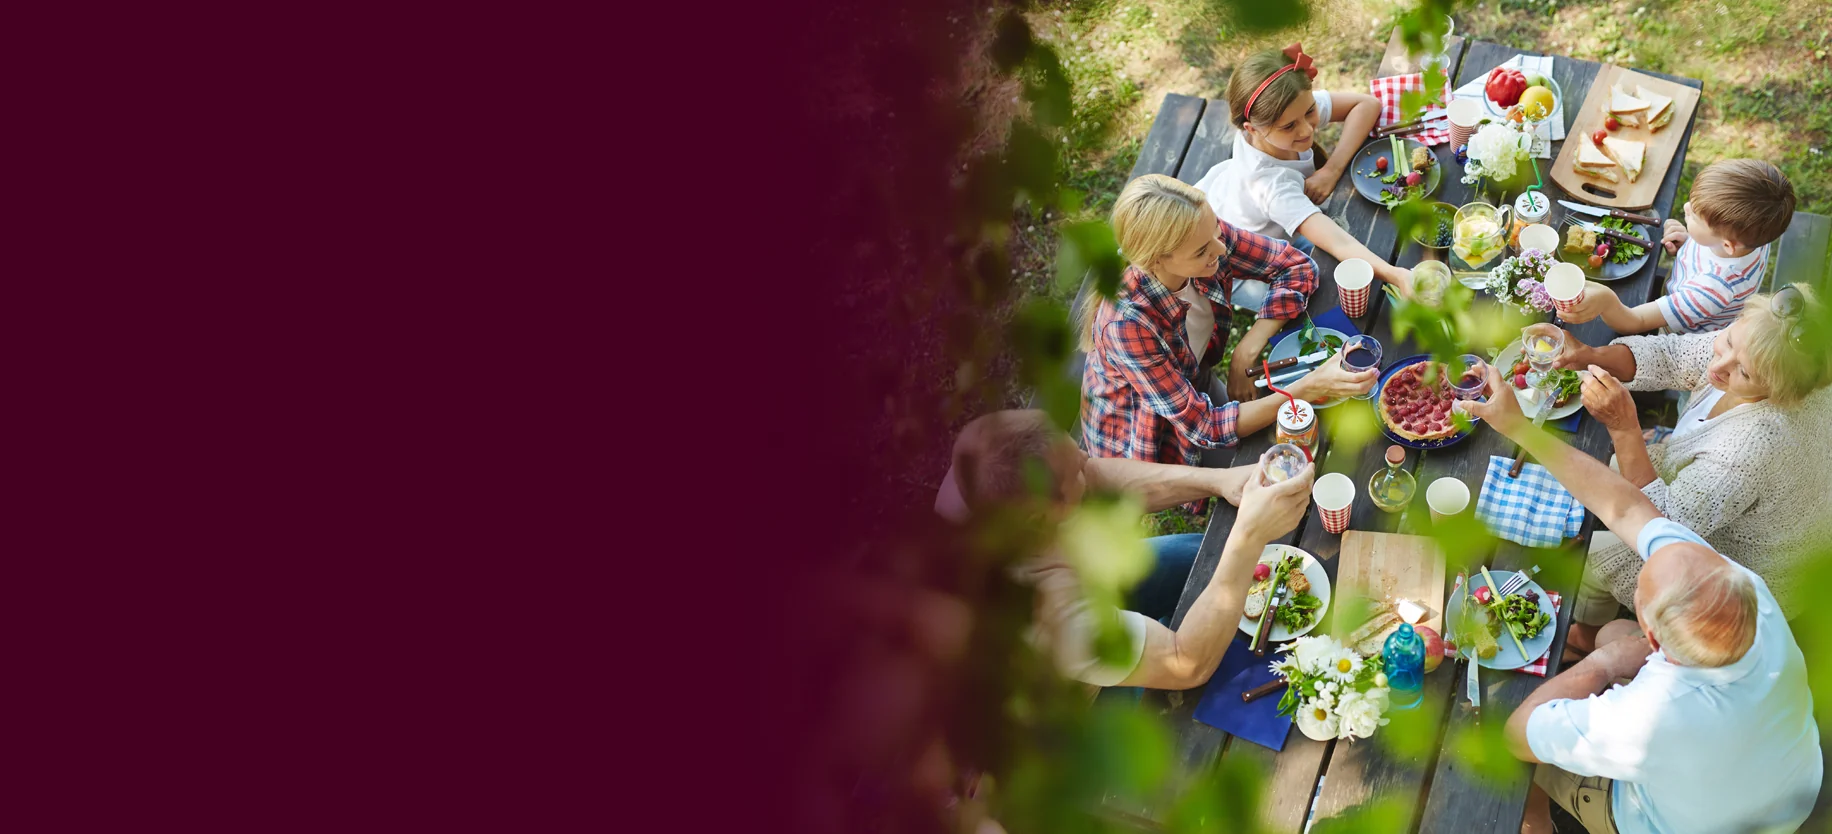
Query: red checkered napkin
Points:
[1538, 667]
[1388, 90]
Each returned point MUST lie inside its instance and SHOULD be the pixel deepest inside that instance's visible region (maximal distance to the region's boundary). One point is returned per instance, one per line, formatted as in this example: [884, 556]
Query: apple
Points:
[1434, 647]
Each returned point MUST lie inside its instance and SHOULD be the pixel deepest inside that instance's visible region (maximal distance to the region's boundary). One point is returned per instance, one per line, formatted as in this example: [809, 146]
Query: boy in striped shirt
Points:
[1738, 207]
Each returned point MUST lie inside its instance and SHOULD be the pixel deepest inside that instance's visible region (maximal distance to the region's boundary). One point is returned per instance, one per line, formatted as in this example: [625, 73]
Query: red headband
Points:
[1299, 61]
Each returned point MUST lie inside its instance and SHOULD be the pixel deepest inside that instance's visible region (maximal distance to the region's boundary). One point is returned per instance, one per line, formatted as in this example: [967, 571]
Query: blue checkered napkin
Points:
[1532, 510]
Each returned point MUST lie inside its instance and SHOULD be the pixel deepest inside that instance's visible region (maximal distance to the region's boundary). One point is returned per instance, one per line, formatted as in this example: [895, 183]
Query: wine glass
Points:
[1541, 343]
[1469, 382]
[1361, 353]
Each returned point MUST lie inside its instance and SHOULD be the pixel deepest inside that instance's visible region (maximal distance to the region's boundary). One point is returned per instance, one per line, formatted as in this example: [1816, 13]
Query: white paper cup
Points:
[1446, 497]
[1353, 278]
[1465, 114]
[1539, 236]
[1335, 497]
[1565, 284]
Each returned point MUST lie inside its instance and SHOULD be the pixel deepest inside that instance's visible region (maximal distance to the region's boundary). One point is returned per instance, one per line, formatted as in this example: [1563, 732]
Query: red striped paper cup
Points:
[1565, 284]
[1354, 278]
[1335, 497]
[1465, 115]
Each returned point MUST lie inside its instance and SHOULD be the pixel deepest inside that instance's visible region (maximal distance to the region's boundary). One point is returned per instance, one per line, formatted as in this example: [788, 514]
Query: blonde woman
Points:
[1271, 185]
[1147, 346]
[1745, 466]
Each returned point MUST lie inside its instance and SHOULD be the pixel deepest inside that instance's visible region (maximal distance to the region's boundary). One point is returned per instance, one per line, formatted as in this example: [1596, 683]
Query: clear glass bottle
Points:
[1392, 488]
[1404, 658]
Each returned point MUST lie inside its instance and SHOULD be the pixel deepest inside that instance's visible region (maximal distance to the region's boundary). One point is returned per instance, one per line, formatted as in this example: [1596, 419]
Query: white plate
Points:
[1319, 588]
[1510, 355]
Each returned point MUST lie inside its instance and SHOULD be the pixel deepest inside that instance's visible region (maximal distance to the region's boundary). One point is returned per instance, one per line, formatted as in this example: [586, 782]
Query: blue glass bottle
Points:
[1405, 659]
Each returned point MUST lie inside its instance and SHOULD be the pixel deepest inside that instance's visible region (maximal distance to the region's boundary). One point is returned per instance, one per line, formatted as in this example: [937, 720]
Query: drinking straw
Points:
[1289, 398]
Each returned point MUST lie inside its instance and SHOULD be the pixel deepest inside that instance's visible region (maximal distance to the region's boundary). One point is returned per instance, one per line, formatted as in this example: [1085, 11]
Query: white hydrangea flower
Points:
[1358, 715]
[1314, 653]
[1495, 151]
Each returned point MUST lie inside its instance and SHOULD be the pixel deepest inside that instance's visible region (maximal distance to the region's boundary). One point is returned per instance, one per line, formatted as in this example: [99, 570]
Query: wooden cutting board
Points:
[1374, 566]
[1660, 150]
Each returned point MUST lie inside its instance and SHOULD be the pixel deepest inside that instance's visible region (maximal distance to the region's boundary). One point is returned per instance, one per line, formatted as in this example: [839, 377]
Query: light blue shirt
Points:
[1733, 748]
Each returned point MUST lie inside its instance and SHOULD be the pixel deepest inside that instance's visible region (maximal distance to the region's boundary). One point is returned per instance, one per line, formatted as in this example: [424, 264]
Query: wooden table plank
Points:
[1170, 135]
[1213, 142]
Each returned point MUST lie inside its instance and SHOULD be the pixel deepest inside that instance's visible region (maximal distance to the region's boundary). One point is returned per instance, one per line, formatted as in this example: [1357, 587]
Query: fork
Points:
[1518, 581]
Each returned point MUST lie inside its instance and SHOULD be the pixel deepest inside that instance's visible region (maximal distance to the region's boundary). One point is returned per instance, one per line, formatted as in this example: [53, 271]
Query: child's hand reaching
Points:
[1318, 186]
[1674, 235]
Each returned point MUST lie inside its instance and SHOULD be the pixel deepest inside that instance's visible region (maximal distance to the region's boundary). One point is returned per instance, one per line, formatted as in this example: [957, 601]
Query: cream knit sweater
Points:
[1753, 481]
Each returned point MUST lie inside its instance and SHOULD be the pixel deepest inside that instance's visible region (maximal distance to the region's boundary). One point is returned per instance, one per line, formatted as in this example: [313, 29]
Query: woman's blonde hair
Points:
[1791, 371]
[1274, 99]
[1152, 216]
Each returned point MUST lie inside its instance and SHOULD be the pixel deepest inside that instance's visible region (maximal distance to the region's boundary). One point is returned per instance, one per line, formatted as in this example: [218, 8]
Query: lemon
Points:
[1537, 102]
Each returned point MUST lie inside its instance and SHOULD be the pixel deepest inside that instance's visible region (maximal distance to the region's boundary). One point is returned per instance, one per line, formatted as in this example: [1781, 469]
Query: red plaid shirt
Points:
[1138, 399]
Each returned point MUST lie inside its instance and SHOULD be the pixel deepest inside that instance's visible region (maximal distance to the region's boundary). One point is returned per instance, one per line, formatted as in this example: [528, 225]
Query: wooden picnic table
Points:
[1188, 137]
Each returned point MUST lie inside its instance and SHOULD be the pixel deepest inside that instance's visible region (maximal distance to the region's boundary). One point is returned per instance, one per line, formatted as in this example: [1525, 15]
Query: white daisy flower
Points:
[1317, 721]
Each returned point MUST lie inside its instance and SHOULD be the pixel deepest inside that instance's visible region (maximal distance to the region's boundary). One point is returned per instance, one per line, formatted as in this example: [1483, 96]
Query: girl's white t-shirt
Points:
[1260, 193]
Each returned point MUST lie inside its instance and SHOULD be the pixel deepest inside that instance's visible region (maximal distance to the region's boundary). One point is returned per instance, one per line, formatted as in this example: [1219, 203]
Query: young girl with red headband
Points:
[1272, 183]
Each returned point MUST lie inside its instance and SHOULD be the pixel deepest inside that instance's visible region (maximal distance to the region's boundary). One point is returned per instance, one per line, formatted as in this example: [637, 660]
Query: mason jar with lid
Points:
[1529, 208]
[1298, 425]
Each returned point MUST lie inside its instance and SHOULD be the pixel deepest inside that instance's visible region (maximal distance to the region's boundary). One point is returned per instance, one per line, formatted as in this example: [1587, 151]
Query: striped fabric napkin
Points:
[1531, 510]
[1388, 91]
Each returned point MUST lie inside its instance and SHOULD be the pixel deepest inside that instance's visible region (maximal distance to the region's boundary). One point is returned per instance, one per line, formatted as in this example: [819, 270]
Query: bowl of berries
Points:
[1435, 230]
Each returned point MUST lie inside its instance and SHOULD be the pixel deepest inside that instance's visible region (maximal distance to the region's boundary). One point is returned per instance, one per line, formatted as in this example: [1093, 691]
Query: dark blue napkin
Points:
[1333, 318]
[1258, 722]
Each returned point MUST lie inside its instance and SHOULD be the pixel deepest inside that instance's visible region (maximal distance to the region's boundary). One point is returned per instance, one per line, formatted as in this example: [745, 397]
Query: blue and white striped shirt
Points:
[1706, 292]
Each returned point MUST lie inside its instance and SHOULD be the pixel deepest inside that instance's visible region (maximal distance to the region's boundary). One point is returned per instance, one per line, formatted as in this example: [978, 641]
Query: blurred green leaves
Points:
[1225, 797]
[1105, 541]
[1088, 245]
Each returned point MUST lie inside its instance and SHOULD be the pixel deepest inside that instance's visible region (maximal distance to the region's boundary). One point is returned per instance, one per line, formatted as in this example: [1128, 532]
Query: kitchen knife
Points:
[1261, 639]
[1593, 211]
[1282, 364]
[1617, 236]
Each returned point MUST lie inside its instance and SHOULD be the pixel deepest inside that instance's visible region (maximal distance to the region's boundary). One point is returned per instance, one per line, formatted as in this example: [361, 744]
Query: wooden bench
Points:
[1802, 256]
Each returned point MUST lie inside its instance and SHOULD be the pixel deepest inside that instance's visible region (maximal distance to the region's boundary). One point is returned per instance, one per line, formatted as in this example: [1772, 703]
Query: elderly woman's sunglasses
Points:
[1791, 305]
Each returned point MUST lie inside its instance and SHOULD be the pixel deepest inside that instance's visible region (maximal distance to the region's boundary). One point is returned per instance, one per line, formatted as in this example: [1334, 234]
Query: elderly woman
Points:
[1745, 466]
[1147, 347]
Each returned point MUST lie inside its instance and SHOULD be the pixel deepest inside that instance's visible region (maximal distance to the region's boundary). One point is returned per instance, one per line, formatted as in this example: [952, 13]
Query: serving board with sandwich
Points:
[1623, 138]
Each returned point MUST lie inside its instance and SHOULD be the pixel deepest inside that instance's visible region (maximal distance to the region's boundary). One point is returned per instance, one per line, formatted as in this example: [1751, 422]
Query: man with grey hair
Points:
[1714, 730]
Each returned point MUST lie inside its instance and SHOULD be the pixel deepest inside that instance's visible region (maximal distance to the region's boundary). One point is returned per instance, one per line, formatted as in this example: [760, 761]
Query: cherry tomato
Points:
[1380, 164]
[1596, 261]
[1598, 137]
[1611, 123]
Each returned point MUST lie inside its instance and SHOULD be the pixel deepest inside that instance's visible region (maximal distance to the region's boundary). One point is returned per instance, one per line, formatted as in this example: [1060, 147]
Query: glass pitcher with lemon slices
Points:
[1479, 234]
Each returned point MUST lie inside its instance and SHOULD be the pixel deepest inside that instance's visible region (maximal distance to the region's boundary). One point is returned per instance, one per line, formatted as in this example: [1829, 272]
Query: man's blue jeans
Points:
[1156, 595]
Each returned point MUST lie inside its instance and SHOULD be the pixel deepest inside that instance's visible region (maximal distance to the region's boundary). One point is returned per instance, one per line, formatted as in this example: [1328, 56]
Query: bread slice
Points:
[1628, 153]
[1592, 162]
[1660, 108]
[1626, 108]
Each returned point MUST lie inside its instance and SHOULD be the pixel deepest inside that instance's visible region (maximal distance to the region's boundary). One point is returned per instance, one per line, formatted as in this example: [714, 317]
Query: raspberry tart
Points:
[1414, 410]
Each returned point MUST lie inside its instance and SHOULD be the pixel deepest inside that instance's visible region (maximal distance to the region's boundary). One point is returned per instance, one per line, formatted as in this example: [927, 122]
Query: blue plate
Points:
[1414, 444]
[1507, 657]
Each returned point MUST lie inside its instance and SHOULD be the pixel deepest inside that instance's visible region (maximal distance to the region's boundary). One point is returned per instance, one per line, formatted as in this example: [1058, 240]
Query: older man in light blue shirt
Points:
[1714, 730]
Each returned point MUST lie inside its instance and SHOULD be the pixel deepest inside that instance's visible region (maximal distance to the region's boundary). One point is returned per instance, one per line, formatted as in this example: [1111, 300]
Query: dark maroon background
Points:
[424, 417]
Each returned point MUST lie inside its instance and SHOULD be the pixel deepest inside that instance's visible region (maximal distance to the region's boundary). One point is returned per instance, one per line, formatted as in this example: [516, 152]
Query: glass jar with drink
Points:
[1480, 234]
[1283, 462]
[1298, 425]
[1392, 488]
